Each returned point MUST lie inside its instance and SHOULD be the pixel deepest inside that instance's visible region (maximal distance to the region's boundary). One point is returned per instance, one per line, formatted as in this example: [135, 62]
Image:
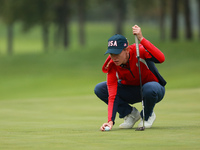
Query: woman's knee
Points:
[150, 90]
[100, 89]
[97, 89]
[153, 91]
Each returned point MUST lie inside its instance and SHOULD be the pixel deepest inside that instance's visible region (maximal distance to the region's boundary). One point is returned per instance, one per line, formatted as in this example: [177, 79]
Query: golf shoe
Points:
[130, 119]
[149, 122]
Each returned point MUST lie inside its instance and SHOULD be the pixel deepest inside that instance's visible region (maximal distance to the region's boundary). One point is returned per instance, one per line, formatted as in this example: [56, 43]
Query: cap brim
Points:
[113, 51]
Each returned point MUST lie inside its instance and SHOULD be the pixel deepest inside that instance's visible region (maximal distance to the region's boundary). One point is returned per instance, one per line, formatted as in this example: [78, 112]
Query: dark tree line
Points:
[187, 18]
[60, 12]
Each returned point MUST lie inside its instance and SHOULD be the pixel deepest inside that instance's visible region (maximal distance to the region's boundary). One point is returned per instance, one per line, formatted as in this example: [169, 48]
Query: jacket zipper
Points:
[128, 68]
[131, 72]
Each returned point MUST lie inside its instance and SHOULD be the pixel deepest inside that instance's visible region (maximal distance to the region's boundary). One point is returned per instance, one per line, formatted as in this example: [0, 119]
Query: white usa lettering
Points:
[112, 43]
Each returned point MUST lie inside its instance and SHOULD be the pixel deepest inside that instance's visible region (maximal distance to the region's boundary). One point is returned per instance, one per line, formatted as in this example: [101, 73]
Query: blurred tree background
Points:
[51, 55]
[168, 15]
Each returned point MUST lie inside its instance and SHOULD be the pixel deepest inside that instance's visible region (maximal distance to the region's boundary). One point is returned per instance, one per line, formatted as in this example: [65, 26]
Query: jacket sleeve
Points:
[106, 64]
[153, 52]
[112, 83]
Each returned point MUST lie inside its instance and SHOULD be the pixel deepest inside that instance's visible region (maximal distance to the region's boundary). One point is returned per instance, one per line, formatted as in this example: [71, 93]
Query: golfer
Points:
[122, 87]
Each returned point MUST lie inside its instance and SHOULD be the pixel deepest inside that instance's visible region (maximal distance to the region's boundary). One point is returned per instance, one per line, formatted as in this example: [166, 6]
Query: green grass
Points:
[73, 122]
[47, 100]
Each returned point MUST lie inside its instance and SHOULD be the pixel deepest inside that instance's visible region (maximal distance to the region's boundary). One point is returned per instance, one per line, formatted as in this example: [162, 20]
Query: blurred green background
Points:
[51, 54]
[76, 70]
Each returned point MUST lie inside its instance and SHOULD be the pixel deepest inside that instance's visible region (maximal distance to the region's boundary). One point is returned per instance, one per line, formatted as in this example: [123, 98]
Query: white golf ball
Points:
[107, 128]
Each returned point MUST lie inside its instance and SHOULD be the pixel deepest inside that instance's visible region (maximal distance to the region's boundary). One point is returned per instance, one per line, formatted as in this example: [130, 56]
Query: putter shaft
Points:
[138, 57]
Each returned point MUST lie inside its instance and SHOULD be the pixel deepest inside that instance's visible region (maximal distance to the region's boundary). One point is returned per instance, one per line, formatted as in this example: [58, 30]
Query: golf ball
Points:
[107, 128]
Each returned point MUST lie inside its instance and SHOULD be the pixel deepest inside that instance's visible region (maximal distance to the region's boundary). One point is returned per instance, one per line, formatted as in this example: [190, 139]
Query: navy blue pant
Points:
[152, 92]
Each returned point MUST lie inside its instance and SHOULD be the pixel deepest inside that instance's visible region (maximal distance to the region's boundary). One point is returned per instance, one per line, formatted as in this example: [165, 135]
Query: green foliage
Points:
[9, 11]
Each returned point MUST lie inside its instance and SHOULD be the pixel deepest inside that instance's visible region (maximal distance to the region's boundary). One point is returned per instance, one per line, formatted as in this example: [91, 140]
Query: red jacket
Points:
[129, 73]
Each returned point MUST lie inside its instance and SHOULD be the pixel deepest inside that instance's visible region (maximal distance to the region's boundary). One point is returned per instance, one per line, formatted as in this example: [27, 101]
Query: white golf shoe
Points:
[149, 122]
[130, 119]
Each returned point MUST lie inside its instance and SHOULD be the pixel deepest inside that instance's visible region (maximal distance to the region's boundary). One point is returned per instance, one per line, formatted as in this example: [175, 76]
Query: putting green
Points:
[73, 123]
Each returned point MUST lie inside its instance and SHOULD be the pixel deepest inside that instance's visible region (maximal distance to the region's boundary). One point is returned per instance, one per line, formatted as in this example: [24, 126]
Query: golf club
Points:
[138, 57]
